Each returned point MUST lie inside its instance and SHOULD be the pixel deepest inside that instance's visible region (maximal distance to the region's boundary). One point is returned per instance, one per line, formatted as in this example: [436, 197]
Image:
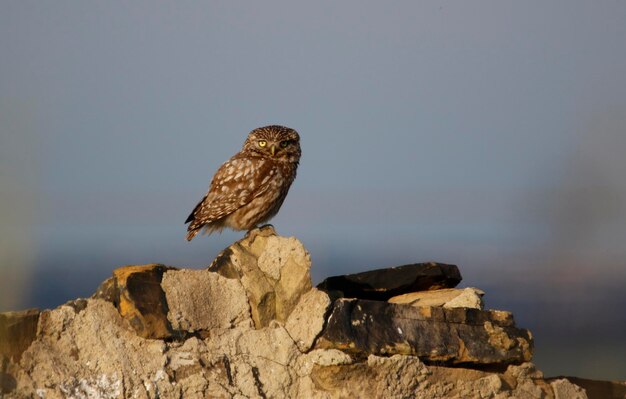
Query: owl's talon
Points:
[264, 231]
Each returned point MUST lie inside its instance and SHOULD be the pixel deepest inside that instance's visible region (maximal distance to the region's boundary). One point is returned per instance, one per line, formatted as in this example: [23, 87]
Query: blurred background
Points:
[487, 134]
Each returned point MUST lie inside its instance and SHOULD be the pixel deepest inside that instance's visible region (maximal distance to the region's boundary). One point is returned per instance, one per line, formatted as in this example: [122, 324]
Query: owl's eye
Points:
[262, 143]
[284, 144]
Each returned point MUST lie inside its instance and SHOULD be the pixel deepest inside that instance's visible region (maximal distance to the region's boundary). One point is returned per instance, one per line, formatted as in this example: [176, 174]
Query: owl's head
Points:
[275, 142]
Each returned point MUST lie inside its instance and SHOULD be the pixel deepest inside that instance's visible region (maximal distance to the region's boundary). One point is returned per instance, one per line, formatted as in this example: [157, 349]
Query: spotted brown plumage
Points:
[250, 187]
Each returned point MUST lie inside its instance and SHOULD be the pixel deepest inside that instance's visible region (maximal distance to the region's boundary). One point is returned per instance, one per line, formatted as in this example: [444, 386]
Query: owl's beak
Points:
[273, 150]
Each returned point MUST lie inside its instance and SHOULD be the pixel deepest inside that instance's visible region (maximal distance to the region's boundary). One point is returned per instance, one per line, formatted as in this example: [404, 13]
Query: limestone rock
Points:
[273, 270]
[563, 389]
[92, 353]
[308, 318]
[595, 389]
[450, 336]
[17, 332]
[522, 381]
[157, 332]
[324, 357]
[200, 300]
[469, 298]
[447, 297]
[378, 377]
[95, 353]
[136, 292]
[382, 284]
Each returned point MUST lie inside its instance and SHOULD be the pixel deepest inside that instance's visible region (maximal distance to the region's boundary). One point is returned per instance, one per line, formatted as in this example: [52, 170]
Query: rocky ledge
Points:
[252, 326]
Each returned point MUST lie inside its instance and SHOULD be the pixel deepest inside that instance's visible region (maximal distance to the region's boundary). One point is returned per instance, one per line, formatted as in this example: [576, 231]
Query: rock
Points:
[273, 270]
[448, 298]
[91, 353]
[563, 389]
[158, 332]
[17, 331]
[597, 389]
[378, 377]
[445, 336]
[136, 292]
[199, 300]
[307, 320]
[521, 381]
[325, 357]
[383, 284]
[469, 298]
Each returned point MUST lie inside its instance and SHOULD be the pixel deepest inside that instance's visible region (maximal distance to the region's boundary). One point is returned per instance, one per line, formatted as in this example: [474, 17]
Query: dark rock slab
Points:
[458, 336]
[382, 284]
[17, 331]
[137, 294]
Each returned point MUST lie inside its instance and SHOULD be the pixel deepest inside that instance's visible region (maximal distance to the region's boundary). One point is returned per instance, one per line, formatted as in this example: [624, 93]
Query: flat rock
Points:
[445, 336]
[17, 332]
[199, 300]
[563, 389]
[447, 297]
[383, 284]
[274, 271]
[137, 294]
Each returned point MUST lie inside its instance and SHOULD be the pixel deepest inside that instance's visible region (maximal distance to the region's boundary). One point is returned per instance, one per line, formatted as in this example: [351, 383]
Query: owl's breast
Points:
[287, 171]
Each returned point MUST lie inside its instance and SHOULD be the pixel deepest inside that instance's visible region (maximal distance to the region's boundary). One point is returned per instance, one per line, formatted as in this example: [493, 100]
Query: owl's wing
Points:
[191, 216]
[237, 182]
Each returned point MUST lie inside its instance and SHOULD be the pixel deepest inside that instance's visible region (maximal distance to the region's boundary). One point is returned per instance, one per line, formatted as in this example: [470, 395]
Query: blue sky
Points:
[486, 134]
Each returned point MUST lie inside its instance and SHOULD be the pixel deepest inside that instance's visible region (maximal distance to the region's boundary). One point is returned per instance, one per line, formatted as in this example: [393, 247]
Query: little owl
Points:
[250, 187]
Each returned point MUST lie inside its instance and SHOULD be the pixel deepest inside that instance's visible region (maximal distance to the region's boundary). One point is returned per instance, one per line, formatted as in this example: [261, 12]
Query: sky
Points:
[486, 134]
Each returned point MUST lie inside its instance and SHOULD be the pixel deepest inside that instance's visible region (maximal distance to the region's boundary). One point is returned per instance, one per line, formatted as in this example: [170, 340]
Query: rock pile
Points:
[252, 326]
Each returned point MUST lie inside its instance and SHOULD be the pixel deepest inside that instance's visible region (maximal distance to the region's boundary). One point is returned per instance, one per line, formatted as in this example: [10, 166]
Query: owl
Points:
[250, 187]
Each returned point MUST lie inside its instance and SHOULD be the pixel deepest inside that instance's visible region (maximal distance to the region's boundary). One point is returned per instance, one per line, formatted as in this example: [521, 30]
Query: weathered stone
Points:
[17, 331]
[136, 292]
[78, 304]
[378, 377]
[91, 353]
[306, 321]
[469, 298]
[383, 284]
[273, 270]
[448, 298]
[258, 363]
[563, 389]
[445, 336]
[108, 291]
[323, 357]
[598, 389]
[201, 300]
[522, 382]
[88, 349]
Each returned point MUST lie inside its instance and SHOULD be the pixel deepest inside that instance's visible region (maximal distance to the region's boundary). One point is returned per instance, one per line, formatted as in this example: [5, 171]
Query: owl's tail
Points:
[191, 233]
